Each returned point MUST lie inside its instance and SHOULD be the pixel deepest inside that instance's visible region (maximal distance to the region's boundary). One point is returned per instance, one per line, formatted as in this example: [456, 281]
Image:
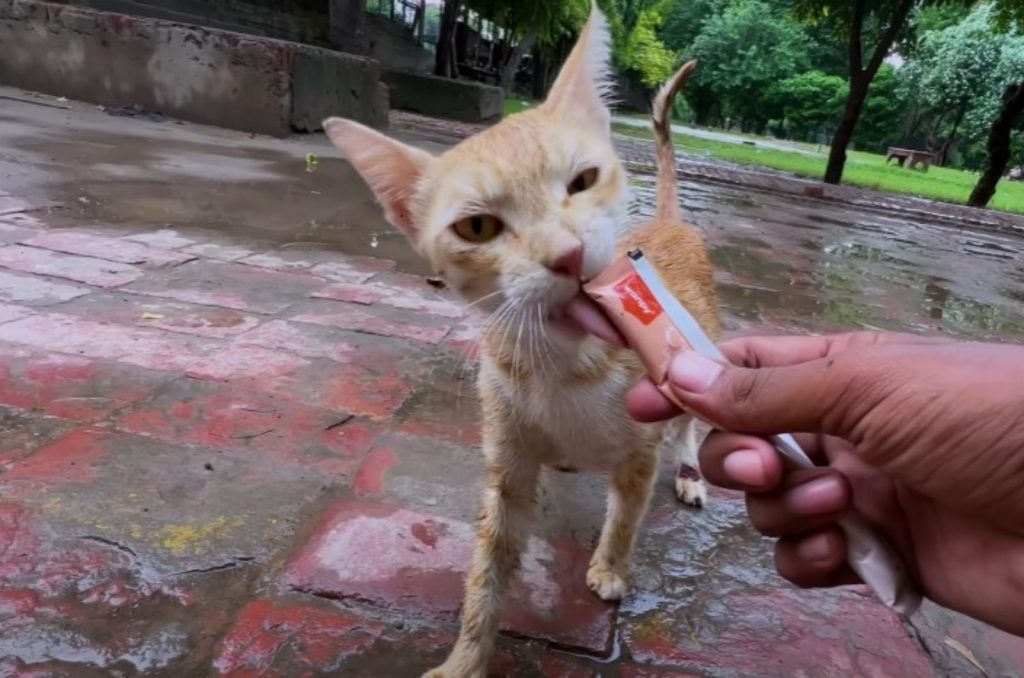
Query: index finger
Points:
[781, 351]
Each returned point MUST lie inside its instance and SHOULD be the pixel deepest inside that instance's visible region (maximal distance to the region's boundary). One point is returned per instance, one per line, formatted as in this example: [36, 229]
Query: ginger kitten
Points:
[514, 219]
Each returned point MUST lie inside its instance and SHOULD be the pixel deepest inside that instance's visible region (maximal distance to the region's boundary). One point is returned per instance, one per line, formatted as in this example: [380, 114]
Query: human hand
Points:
[923, 437]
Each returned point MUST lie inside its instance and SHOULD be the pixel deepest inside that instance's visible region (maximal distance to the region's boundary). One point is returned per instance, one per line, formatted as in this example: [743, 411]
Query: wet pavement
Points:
[239, 436]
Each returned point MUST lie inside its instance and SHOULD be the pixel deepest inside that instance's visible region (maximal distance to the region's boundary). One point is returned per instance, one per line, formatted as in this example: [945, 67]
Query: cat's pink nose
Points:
[568, 263]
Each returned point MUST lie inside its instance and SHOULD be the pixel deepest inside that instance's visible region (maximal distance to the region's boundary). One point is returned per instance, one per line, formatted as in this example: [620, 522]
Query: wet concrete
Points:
[124, 173]
[783, 263]
[208, 404]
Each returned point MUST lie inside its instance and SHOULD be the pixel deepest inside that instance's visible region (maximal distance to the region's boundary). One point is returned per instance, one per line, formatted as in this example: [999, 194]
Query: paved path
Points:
[226, 455]
[724, 137]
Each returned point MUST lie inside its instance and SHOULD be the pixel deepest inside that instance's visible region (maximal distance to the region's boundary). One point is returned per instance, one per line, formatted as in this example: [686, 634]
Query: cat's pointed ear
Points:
[391, 168]
[584, 86]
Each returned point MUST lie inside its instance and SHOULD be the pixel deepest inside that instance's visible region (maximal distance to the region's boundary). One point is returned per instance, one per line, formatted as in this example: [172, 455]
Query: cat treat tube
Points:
[658, 327]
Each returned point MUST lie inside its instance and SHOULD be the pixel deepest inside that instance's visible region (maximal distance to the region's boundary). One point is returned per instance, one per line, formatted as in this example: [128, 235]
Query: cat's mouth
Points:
[583, 315]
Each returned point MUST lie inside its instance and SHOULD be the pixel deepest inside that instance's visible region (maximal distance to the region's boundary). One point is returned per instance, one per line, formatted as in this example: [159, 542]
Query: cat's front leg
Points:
[502, 530]
[631, 485]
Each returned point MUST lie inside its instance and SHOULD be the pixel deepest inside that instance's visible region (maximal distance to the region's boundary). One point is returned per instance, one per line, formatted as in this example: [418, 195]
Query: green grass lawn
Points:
[862, 169]
[514, 104]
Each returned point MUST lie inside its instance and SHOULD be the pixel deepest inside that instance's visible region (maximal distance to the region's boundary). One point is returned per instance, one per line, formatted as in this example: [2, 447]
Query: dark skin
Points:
[923, 437]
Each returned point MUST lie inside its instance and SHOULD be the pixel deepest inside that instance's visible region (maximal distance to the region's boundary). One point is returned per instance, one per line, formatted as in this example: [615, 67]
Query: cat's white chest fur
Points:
[585, 421]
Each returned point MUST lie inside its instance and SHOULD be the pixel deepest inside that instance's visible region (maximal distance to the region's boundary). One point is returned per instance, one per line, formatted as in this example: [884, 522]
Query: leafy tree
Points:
[808, 103]
[684, 21]
[881, 22]
[1009, 14]
[644, 53]
[737, 68]
[952, 74]
[528, 22]
[884, 113]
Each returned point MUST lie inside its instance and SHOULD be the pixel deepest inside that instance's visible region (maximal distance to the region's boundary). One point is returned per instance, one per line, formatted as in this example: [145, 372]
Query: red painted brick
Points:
[1000, 653]
[370, 478]
[425, 301]
[25, 433]
[385, 322]
[334, 265]
[286, 639]
[375, 390]
[72, 458]
[414, 563]
[449, 414]
[36, 291]
[273, 430]
[9, 233]
[465, 338]
[164, 238]
[22, 220]
[352, 269]
[781, 632]
[109, 249]
[229, 285]
[9, 312]
[280, 335]
[164, 314]
[246, 363]
[655, 672]
[219, 251]
[12, 205]
[350, 293]
[71, 387]
[67, 266]
[151, 349]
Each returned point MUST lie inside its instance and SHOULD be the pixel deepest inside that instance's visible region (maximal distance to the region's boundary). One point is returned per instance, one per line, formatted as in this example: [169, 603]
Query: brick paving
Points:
[224, 460]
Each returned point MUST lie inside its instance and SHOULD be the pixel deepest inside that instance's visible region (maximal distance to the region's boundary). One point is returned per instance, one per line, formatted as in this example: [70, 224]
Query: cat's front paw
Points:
[460, 666]
[690, 487]
[608, 584]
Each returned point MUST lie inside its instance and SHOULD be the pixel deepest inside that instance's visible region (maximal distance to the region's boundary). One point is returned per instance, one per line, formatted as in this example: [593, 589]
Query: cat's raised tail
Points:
[668, 191]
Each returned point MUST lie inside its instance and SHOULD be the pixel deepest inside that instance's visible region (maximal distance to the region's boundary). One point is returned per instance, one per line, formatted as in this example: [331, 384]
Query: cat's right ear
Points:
[391, 168]
[583, 89]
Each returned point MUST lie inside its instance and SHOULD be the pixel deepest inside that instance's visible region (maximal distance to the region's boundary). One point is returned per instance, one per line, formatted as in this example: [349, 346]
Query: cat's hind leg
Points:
[681, 438]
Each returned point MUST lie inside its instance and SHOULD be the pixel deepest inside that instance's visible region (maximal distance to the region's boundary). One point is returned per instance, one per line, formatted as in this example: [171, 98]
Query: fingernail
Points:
[816, 549]
[820, 497]
[746, 467]
[693, 373]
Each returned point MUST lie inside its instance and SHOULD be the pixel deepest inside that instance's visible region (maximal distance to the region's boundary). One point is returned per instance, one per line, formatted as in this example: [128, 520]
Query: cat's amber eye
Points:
[584, 181]
[479, 228]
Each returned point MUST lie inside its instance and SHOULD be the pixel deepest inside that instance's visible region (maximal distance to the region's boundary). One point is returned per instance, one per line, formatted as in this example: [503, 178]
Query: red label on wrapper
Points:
[638, 300]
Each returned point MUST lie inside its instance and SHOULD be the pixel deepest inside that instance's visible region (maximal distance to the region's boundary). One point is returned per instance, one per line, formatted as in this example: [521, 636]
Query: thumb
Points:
[812, 397]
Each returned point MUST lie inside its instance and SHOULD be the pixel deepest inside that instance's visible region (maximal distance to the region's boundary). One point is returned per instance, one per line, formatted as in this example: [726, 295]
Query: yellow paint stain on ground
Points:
[193, 537]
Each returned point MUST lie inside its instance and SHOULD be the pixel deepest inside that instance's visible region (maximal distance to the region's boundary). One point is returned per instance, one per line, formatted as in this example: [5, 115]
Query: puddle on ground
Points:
[784, 263]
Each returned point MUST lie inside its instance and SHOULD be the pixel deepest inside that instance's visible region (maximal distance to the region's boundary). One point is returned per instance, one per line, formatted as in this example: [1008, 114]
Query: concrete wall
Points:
[339, 24]
[442, 98]
[304, 21]
[395, 46]
[206, 76]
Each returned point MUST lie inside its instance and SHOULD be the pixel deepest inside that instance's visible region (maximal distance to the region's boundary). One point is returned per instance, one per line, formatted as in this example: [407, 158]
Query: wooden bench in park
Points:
[910, 158]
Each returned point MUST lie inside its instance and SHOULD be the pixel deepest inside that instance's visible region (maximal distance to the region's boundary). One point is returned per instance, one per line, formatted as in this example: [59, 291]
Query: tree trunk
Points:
[844, 133]
[515, 58]
[446, 57]
[999, 145]
[861, 76]
[540, 75]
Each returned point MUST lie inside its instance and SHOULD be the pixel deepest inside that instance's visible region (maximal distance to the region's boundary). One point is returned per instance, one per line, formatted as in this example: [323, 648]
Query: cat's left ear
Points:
[391, 168]
[583, 88]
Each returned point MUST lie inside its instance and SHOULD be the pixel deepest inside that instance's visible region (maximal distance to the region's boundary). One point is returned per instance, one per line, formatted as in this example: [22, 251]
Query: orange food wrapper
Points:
[657, 326]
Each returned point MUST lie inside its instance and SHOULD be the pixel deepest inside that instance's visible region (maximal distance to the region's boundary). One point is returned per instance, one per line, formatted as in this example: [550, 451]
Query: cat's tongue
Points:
[591, 319]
